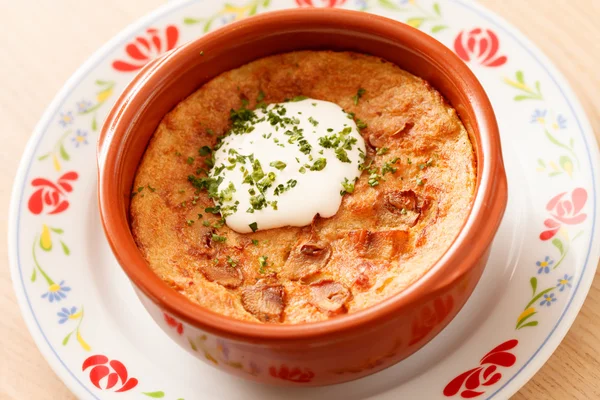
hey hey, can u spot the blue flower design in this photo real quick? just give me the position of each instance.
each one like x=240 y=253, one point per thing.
x=361 y=5
x=227 y=18
x=80 y=138
x=66 y=119
x=56 y=292
x=561 y=122
x=83 y=106
x=548 y=299
x=538 y=116
x=544 y=266
x=65 y=314
x=564 y=282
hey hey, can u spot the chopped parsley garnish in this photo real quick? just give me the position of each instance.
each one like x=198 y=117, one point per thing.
x=190 y=222
x=348 y=187
x=210 y=131
x=206 y=223
x=255 y=242
x=204 y=151
x=360 y=124
x=262 y=262
x=232 y=262
x=254 y=227
x=313 y=121
x=140 y=189
x=374 y=179
x=358 y=95
x=190 y=160
x=319 y=164
x=420 y=182
x=278 y=164
x=387 y=166
x=260 y=97
x=298 y=98
x=382 y=151
x=218 y=238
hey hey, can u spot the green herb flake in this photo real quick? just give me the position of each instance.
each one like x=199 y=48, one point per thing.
x=232 y=262
x=260 y=97
x=190 y=160
x=420 y=182
x=319 y=164
x=382 y=151
x=298 y=98
x=358 y=95
x=206 y=223
x=254 y=227
x=278 y=164
x=262 y=262
x=140 y=189
x=374 y=179
x=348 y=187
x=313 y=121
x=204 y=151
x=255 y=242
x=190 y=222
x=218 y=238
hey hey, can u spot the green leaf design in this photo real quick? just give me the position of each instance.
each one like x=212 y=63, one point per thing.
x=66 y=339
x=57 y=230
x=415 y=22
x=41 y=158
x=540 y=294
x=532 y=323
x=559 y=245
x=520 y=77
x=538 y=88
x=94 y=123
x=208 y=24
x=522 y=321
x=65 y=248
x=63 y=153
x=389 y=5
x=541 y=163
x=33 y=275
x=254 y=9
x=522 y=97
x=436 y=9
x=155 y=395
x=438 y=28
x=533 y=282
x=191 y=21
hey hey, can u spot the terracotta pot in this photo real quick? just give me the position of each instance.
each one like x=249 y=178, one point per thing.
x=339 y=349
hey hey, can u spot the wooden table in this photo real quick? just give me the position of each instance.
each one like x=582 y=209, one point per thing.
x=43 y=42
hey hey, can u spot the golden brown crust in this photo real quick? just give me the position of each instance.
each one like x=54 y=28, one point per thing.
x=382 y=239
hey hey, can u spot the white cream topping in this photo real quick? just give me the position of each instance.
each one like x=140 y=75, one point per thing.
x=286 y=163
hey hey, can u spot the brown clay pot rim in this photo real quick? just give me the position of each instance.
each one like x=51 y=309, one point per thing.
x=470 y=245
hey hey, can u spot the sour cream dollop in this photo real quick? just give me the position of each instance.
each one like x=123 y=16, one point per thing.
x=282 y=164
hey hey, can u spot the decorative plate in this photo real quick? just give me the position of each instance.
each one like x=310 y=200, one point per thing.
x=90 y=326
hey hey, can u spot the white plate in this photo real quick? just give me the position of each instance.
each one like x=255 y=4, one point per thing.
x=80 y=308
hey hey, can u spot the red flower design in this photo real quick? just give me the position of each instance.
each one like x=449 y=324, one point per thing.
x=320 y=3
x=479 y=45
x=51 y=194
x=485 y=374
x=115 y=372
x=173 y=323
x=145 y=48
x=564 y=212
x=293 y=375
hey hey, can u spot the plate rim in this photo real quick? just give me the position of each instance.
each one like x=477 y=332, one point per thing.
x=511 y=386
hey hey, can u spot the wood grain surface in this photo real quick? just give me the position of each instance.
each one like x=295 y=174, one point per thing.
x=43 y=42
